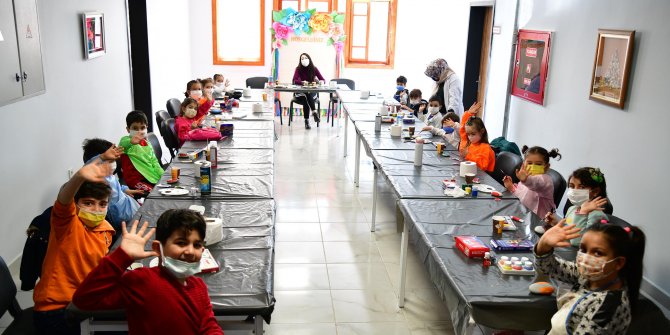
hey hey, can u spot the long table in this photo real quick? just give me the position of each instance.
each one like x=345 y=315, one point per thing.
x=431 y=220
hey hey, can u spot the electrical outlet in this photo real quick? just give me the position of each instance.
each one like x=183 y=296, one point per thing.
x=70 y=172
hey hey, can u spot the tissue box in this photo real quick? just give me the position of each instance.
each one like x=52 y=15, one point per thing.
x=471 y=246
x=408 y=120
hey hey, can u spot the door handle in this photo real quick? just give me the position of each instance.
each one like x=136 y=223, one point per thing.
x=18 y=78
x=25 y=76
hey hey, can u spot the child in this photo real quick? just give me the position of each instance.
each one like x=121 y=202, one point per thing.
x=433 y=118
x=122 y=206
x=79 y=238
x=606 y=277
x=450 y=129
x=221 y=86
x=474 y=144
x=587 y=191
x=166 y=299
x=141 y=169
x=401 y=90
x=186 y=121
x=194 y=90
x=535 y=188
x=416 y=104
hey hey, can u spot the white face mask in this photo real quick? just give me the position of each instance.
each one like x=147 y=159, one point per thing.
x=133 y=133
x=209 y=90
x=414 y=102
x=196 y=94
x=592 y=268
x=578 y=196
x=304 y=62
x=219 y=83
x=190 y=113
x=433 y=110
x=179 y=269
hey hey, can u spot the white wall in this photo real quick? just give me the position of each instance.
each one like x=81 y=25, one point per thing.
x=592 y=134
x=43 y=135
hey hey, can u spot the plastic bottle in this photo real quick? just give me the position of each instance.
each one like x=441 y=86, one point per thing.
x=418 y=152
x=378 y=123
x=205 y=179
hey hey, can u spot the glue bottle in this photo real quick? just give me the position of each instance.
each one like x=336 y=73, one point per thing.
x=213 y=148
x=487 y=259
x=378 y=123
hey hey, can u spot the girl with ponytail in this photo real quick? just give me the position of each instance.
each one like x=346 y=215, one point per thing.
x=606 y=277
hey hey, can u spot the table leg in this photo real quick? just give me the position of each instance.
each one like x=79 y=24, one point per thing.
x=357 y=168
x=374 y=200
x=346 y=131
x=403 y=265
x=258 y=325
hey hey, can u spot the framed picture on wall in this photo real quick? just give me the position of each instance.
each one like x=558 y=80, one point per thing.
x=531 y=65
x=609 y=80
x=94 y=34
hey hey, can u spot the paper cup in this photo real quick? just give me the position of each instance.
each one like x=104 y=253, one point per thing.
x=365 y=94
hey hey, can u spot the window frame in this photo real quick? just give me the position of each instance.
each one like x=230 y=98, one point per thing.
x=390 y=42
x=216 y=59
x=277 y=4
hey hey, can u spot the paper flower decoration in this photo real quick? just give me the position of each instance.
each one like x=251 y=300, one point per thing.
x=281 y=31
x=320 y=22
x=335 y=31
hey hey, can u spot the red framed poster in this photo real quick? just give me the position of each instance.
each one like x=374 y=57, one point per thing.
x=531 y=65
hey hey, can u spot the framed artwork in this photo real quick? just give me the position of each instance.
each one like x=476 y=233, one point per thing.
x=94 y=34
x=531 y=65
x=609 y=81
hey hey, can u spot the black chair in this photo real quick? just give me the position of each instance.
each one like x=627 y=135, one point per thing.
x=160 y=116
x=169 y=134
x=334 y=100
x=23 y=318
x=259 y=82
x=158 y=151
x=173 y=107
x=506 y=165
x=295 y=100
x=559 y=185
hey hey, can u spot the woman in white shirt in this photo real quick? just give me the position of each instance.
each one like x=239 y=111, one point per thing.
x=447 y=86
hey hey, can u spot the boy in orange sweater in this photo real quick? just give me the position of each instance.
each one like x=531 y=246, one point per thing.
x=79 y=238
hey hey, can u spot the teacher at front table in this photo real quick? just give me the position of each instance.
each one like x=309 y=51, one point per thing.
x=307 y=72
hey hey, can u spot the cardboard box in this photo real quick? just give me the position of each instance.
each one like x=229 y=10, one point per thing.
x=208 y=263
x=471 y=246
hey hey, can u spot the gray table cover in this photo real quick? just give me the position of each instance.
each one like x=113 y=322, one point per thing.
x=224 y=186
x=235 y=142
x=422 y=187
x=467 y=288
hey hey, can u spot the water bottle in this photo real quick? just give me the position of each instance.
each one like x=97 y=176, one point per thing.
x=418 y=152
x=378 y=123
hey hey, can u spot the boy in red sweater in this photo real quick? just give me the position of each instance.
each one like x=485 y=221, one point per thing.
x=166 y=299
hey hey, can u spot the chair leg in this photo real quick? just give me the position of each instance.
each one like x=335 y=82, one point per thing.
x=281 y=121
x=290 y=114
x=318 y=109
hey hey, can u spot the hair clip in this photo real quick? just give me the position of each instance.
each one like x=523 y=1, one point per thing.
x=596 y=175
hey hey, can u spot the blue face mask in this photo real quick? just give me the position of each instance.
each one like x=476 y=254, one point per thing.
x=400 y=87
x=179 y=268
x=448 y=130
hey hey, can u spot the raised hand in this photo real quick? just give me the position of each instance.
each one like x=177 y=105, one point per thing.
x=522 y=173
x=475 y=109
x=422 y=107
x=133 y=242
x=558 y=236
x=450 y=123
x=550 y=219
x=112 y=154
x=137 y=138
x=95 y=172
x=509 y=185
x=596 y=204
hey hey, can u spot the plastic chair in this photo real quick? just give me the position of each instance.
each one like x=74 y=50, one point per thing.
x=334 y=100
x=173 y=107
x=160 y=116
x=158 y=151
x=169 y=135
x=259 y=82
x=559 y=185
x=23 y=318
x=506 y=165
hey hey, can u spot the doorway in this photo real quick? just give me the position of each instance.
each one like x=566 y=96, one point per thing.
x=477 y=57
x=139 y=58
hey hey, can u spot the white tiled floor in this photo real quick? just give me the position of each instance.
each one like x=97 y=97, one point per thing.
x=332 y=275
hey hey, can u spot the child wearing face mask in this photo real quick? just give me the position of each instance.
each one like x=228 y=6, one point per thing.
x=416 y=104
x=606 y=277
x=204 y=97
x=474 y=145
x=221 y=86
x=450 y=129
x=122 y=205
x=535 y=188
x=587 y=191
x=401 y=92
x=433 y=118
x=79 y=238
x=166 y=299
x=140 y=167
x=186 y=121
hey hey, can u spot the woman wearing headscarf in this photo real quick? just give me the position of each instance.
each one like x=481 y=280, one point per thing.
x=447 y=86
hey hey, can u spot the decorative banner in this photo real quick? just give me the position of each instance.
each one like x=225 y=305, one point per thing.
x=289 y=22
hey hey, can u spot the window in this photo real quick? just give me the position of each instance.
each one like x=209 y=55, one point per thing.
x=227 y=22
x=321 y=6
x=370 y=25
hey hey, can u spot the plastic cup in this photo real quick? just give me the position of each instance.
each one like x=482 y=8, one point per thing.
x=265 y=96
x=411 y=130
x=469 y=177
x=175 y=173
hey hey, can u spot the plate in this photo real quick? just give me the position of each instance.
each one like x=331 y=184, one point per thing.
x=485 y=188
x=174 y=191
x=163 y=185
x=215 y=111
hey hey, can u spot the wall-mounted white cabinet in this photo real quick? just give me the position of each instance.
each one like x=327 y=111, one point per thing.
x=21 y=73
